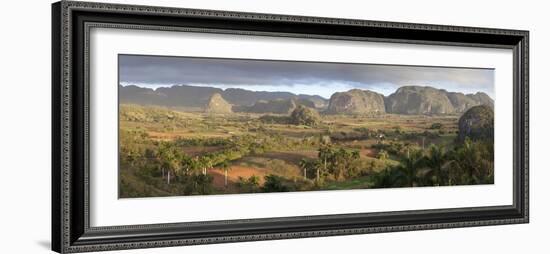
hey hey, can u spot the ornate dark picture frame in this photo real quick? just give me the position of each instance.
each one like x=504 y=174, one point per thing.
x=71 y=22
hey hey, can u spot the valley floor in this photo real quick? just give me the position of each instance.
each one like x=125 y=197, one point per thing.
x=167 y=152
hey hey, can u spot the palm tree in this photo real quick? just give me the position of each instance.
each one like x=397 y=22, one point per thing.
x=206 y=163
x=185 y=163
x=407 y=146
x=316 y=164
x=171 y=165
x=202 y=183
x=471 y=164
x=176 y=162
x=410 y=166
x=195 y=165
x=168 y=160
x=435 y=162
x=224 y=165
x=253 y=182
x=159 y=158
x=325 y=154
x=304 y=164
x=341 y=160
x=389 y=177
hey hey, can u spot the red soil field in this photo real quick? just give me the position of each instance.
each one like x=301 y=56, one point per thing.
x=234 y=173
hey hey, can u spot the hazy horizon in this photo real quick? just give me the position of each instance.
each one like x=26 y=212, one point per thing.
x=311 y=78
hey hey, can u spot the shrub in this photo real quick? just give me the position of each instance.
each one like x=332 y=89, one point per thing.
x=248 y=185
x=274 y=183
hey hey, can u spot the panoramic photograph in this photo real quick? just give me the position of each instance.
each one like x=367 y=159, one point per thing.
x=212 y=126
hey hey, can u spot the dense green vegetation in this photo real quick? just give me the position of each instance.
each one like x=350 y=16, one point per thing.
x=166 y=152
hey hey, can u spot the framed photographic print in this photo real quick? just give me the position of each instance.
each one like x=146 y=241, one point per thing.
x=181 y=126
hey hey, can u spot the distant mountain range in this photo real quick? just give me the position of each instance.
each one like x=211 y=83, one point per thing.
x=195 y=96
x=405 y=100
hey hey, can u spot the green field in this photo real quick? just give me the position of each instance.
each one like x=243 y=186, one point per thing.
x=171 y=152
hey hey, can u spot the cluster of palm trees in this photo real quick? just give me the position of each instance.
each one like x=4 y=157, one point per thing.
x=470 y=162
x=178 y=169
x=173 y=162
x=336 y=162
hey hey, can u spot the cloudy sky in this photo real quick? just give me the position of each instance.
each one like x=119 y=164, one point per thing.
x=298 y=77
